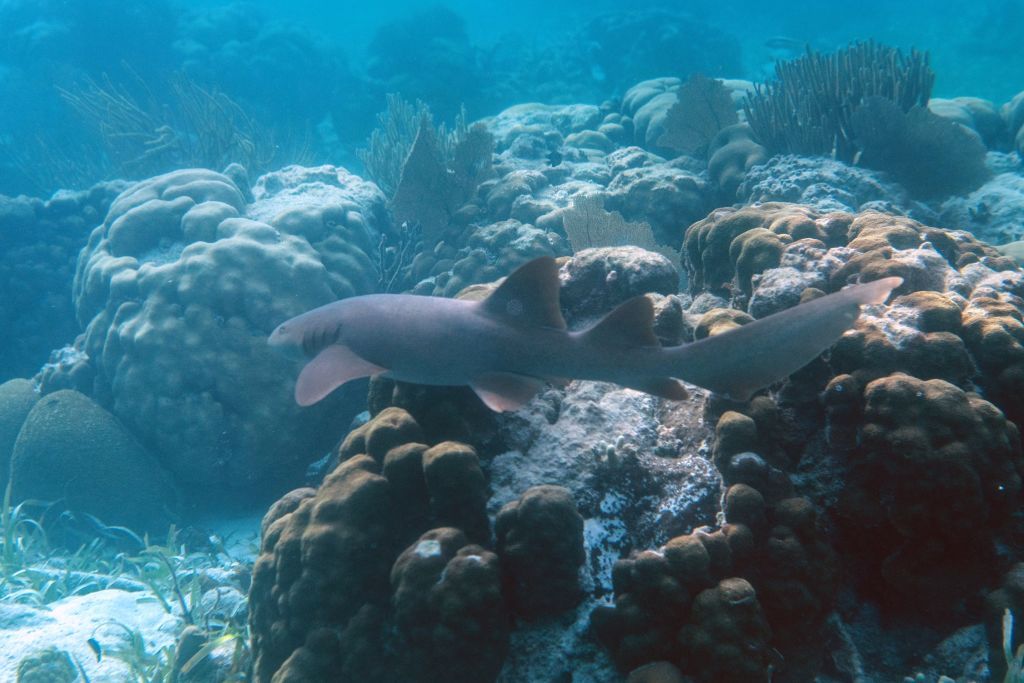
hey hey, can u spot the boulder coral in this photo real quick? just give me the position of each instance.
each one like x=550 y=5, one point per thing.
x=39 y=242
x=540 y=541
x=177 y=290
x=1013 y=113
x=933 y=466
x=381 y=558
x=732 y=153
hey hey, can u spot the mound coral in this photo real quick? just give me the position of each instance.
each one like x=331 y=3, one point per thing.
x=177 y=290
x=540 y=541
x=731 y=154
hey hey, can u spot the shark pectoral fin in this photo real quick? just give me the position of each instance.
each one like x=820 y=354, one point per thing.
x=665 y=387
x=331 y=368
x=504 y=391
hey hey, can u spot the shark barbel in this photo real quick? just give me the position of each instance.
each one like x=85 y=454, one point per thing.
x=508 y=345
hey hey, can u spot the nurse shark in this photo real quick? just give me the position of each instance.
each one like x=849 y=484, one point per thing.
x=507 y=346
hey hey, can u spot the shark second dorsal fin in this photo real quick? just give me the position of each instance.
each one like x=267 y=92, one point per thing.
x=529 y=296
x=631 y=323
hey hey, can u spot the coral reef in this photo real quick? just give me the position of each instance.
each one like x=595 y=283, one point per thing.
x=427 y=56
x=177 y=290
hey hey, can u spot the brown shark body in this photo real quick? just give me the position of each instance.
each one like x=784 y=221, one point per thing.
x=508 y=345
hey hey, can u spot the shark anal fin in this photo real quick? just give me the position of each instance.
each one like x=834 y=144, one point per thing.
x=328 y=370
x=631 y=323
x=529 y=296
x=665 y=387
x=504 y=391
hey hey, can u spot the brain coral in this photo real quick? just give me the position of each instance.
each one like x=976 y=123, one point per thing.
x=177 y=290
x=71 y=450
x=16 y=400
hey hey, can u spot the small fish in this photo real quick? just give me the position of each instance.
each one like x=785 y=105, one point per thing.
x=96 y=648
x=656 y=672
x=785 y=44
x=554 y=157
x=508 y=345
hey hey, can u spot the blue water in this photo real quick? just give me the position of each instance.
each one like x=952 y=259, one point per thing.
x=315 y=73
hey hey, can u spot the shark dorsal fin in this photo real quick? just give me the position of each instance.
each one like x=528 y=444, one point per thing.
x=529 y=296
x=631 y=323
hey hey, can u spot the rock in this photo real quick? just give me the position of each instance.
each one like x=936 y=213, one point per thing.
x=594 y=281
x=994 y=212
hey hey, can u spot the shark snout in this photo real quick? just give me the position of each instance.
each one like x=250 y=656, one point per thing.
x=279 y=337
x=283 y=339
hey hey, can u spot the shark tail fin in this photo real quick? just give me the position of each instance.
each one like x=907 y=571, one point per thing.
x=750 y=357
